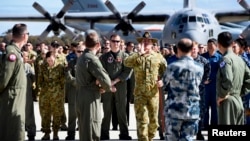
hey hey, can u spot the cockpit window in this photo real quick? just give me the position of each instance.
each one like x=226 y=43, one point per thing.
x=204 y=15
x=184 y=19
x=200 y=19
x=206 y=21
x=178 y=20
x=195 y=19
x=181 y=19
x=192 y=19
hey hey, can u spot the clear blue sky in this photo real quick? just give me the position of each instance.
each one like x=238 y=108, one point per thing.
x=24 y=7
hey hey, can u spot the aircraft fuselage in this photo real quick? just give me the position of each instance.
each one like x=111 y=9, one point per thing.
x=196 y=24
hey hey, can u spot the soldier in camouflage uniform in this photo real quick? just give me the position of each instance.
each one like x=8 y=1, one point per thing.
x=148 y=66
x=51 y=98
x=182 y=110
x=205 y=80
x=39 y=60
x=91 y=80
x=13 y=83
x=61 y=59
x=32 y=55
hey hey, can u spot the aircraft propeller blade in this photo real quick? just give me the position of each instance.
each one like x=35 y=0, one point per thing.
x=65 y=9
x=66 y=30
x=132 y=29
x=45 y=33
x=244 y=4
x=136 y=10
x=125 y=23
x=55 y=23
x=113 y=9
x=40 y=9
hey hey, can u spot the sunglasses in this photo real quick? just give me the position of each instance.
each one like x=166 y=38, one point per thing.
x=115 y=41
x=27 y=33
x=79 y=51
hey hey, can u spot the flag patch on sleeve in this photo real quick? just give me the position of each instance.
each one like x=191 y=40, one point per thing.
x=222 y=64
x=12 y=57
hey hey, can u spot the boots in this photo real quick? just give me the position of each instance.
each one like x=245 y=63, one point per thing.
x=46 y=136
x=71 y=135
x=55 y=135
x=125 y=137
x=64 y=127
x=199 y=136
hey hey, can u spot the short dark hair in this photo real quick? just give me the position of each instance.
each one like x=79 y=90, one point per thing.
x=49 y=54
x=114 y=35
x=129 y=43
x=92 y=38
x=212 y=40
x=19 y=29
x=184 y=45
x=241 y=42
x=225 y=39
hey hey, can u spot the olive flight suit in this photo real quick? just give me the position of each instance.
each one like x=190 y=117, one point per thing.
x=88 y=98
x=232 y=74
x=113 y=63
x=70 y=92
x=13 y=83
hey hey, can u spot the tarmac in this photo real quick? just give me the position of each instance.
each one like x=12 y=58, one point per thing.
x=114 y=135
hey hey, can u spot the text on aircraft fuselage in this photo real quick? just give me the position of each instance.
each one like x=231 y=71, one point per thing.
x=92 y=5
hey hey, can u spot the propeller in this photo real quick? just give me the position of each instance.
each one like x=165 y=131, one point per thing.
x=125 y=22
x=244 y=4
x=55 y=22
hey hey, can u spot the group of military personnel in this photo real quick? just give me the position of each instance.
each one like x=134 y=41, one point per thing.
x=87 y=77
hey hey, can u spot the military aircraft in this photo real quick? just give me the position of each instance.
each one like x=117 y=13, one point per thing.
x=190 y=21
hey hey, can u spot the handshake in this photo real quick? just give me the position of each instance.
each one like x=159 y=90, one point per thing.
x=112 y=88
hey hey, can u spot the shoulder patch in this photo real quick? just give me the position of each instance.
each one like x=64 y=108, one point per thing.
x=222 y=64
x=12 y=57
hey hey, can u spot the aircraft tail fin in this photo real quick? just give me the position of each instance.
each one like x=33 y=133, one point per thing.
x=87 y=6
x=189 y=4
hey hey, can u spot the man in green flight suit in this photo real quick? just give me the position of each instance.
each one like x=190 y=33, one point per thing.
x=91 y=80
x=13 y=87
x=148 y=67
x=231 y=76
x=112 y=61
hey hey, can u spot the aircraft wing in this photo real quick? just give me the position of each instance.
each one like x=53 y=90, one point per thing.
x=101 y=17
x=107 y=17
x=27 y=18
x=231 y=15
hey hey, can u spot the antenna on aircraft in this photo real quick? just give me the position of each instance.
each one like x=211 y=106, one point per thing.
x=55 y=22
x=125 y=22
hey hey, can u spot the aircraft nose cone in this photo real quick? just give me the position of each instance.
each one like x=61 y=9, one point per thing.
x=195 y=36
